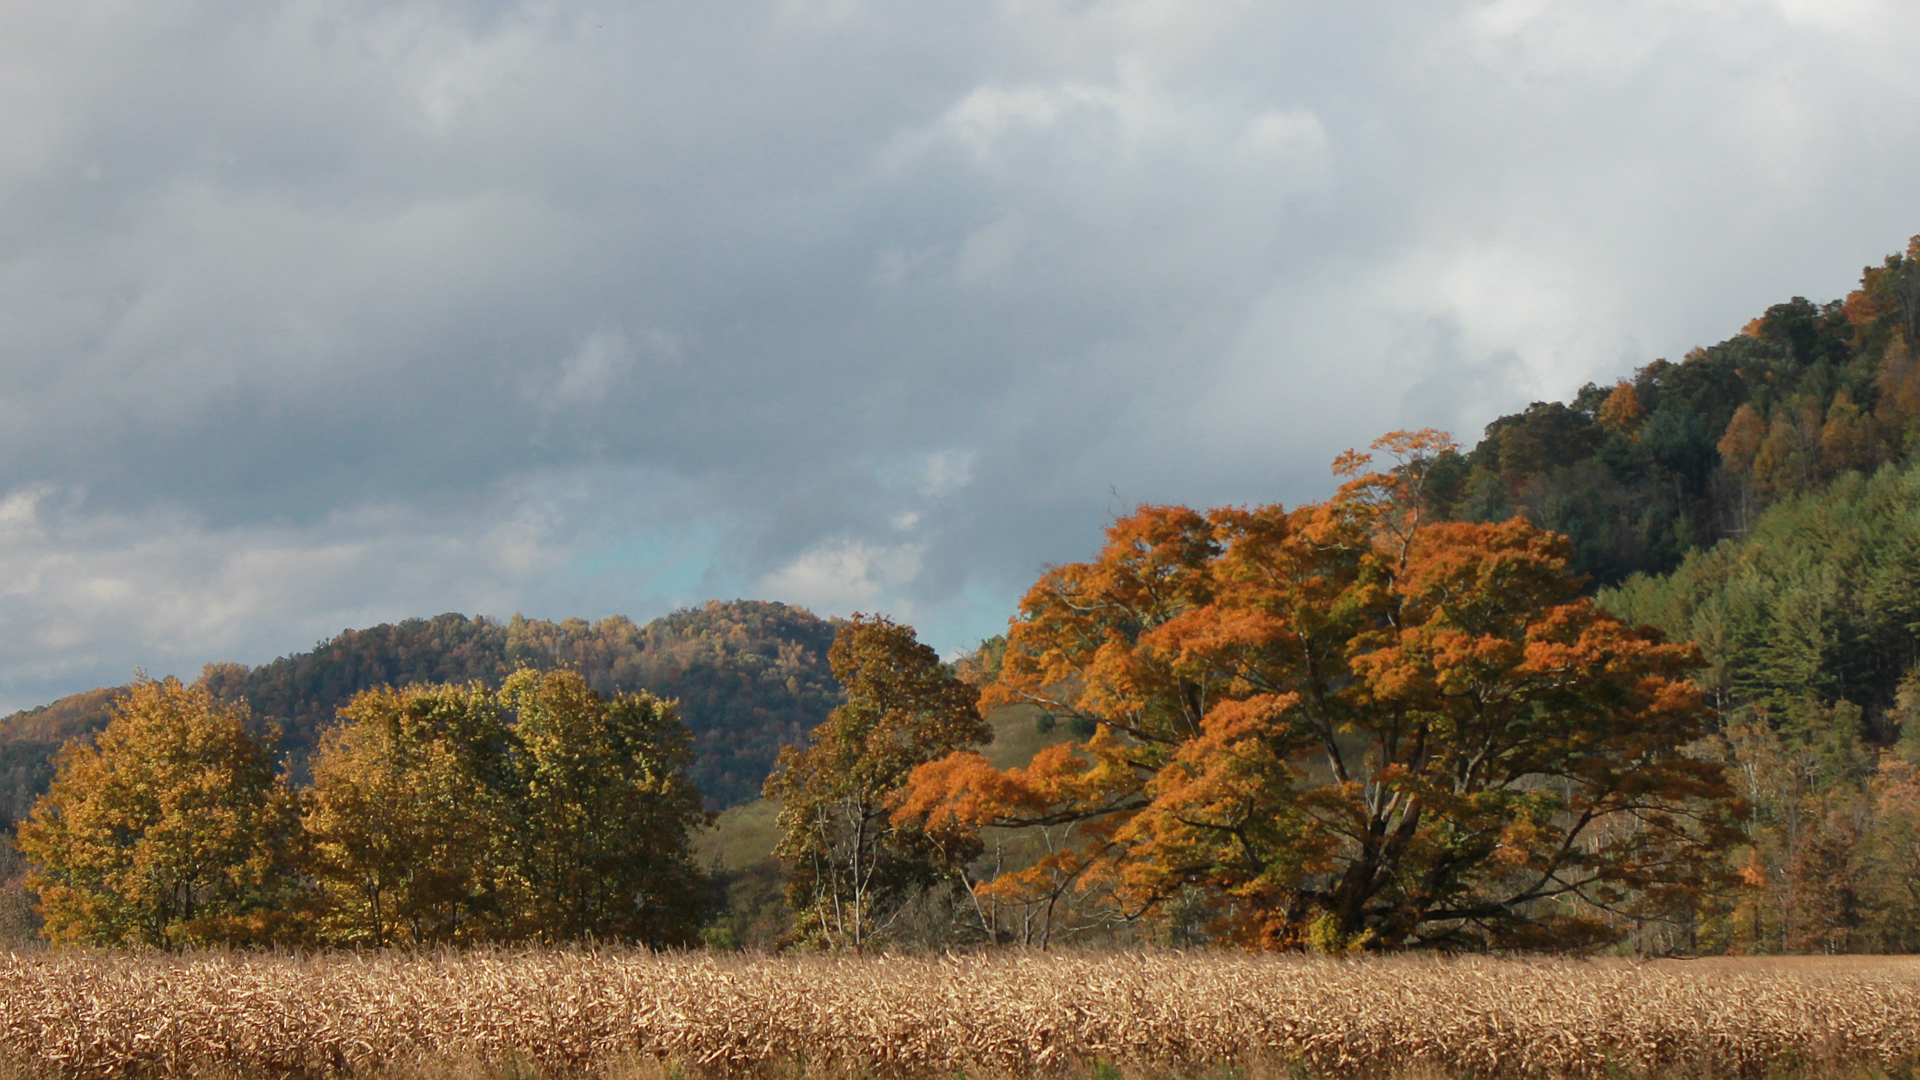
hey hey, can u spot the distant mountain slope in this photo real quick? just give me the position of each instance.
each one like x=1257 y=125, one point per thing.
x=1685 y=454
x=29 y=740
x=750 y=675
x=1817 y=605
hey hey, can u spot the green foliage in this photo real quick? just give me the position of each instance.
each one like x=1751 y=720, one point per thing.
x=1811 y=626
x=606 y=813
x=411 y=819
x=172 y=831
x=749 y=897
x=1819 y=602
x=855 y=872
x=1639 y=475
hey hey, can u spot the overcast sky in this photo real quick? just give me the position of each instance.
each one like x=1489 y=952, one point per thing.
x=321 y=313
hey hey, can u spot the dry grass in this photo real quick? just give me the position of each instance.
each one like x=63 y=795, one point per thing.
x=640 y=1016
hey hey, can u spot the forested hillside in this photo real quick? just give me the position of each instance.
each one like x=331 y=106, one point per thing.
x=1761 y=498
x=751 y=676
x=1756 y=497
x=1818 y=604
x=1771 y=477
x=1685 y=454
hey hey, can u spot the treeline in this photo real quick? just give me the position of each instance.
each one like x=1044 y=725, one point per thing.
x=1810 y=626
x=750 y=677
x=1337 y=726
x=1640 y=669
x=450 y=814
x=1686 y=454
x=1761 y=498
x=436 y=814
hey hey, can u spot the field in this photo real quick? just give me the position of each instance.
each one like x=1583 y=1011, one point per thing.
x=631 y=1014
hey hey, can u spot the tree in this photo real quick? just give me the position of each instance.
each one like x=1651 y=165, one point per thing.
x=411 y=819
x=1350 y=726
x=854 y=868
x=606 y=812
x=1844 y=439
x=172 y=831
x=1621 y=411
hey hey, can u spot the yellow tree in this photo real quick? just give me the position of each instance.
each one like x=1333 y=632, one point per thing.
x=172 y=830
x=410 y=819
x=606 y=808
x=1352 y=727
x=854 y=867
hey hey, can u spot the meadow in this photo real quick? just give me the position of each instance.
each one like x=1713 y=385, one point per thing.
x=635 y=1014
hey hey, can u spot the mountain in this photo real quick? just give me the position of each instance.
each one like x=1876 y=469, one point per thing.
x=1686 y=454
x=1813 y=616
x=751 y=676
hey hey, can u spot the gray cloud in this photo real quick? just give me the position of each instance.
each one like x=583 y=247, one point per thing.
x=313 y=315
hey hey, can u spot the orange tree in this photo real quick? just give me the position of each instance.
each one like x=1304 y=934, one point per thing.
x=1350 y=727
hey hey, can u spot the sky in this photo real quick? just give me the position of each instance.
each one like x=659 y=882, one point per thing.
x=316 y=314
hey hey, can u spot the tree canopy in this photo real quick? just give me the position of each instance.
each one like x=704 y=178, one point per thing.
x=411 y=819
x=855 y=868
x=172 y=831
x=1347 y=725
x=750 y=677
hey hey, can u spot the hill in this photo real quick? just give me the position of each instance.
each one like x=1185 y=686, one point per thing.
x=1815 y=609
x=1686 y=454
x=751 y=676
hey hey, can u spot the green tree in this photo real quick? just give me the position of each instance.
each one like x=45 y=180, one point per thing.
x=606 y=809
x=410 y=818
x=172 y=831
x=855 y=870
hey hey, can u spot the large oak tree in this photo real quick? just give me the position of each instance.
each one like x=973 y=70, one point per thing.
x=1348 y=727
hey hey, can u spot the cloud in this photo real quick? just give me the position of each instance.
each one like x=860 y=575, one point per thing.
x=840 y=576
x=313 y=314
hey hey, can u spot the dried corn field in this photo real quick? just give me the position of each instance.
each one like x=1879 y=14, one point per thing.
x=571 y=1012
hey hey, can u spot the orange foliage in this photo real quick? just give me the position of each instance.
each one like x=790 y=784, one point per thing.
x=1349 y=726
x=1622 y=411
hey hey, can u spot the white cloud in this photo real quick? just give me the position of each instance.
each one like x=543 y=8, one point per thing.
x=843 y=575
x=93 y=593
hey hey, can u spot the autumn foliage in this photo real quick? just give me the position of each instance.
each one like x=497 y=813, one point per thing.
x=1344 y=726
x=437 y=815
x=172 y=831
x=856 y=868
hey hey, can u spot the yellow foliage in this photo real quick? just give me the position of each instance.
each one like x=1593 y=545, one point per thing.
x=172 y=830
